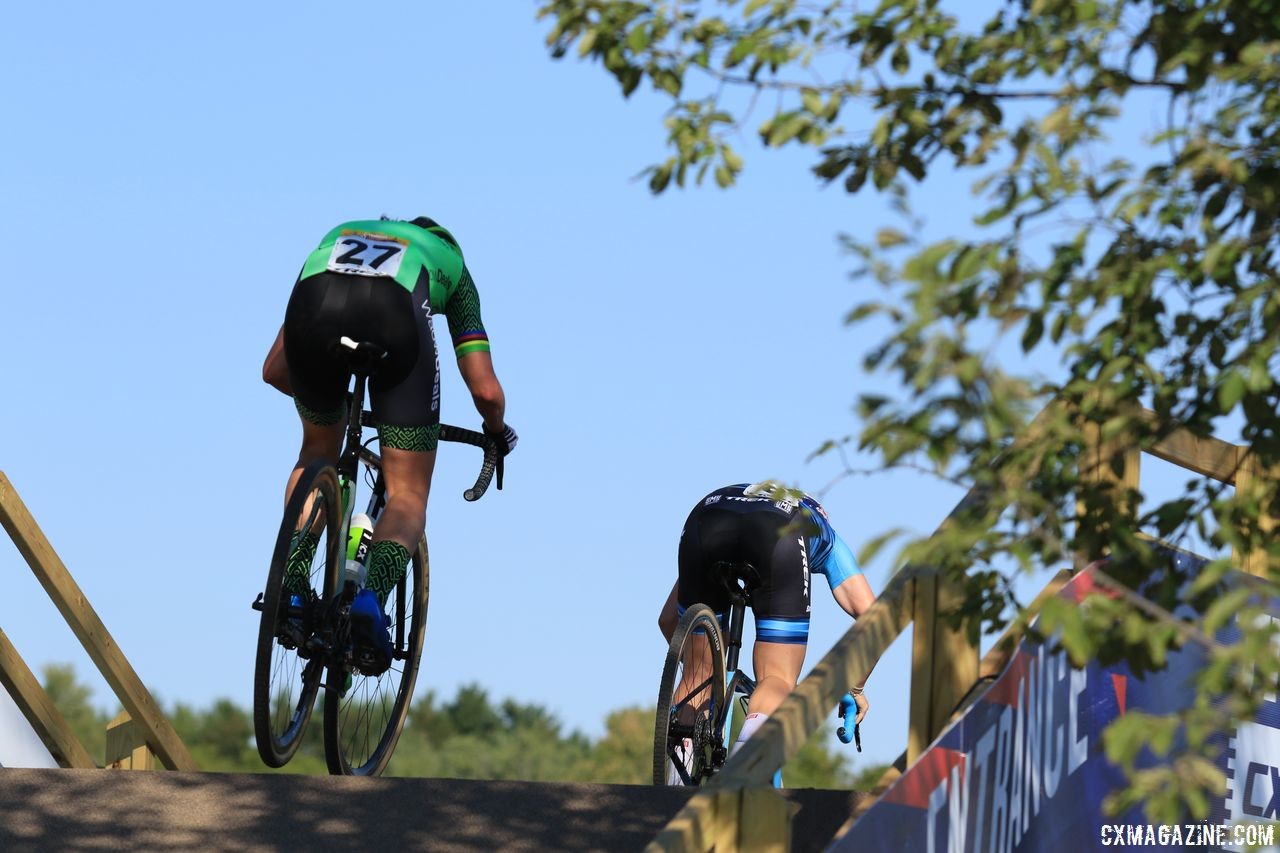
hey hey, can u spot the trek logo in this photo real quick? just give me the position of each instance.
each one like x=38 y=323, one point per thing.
x=804 y=565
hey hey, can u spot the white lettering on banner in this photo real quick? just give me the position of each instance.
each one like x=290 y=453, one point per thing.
x=1079 y=745
x=1055 y=742
x=986 y=744
x=1018 y=764
x=937 y=802
x=1000 y=776
x=958 y=814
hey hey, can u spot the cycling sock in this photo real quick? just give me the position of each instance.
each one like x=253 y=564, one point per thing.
x=297 y=571
x=684 y=754
x=749 y=726
x=388 y=560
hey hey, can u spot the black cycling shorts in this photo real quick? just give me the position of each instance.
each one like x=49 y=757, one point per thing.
x=753 y=533
x=404 y=391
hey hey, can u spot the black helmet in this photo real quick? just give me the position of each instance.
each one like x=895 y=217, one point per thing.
x=433 y=227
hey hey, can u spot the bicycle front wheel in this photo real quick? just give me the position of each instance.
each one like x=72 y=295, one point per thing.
x=301 y=581
x=363 y=715
x=686 y=747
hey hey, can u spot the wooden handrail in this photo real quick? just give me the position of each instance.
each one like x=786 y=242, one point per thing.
x=89 y=630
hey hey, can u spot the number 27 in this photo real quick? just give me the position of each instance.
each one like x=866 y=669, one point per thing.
x=352 y=257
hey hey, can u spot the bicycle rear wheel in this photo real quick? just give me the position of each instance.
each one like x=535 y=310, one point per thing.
x=363 y=718
x=288 y=674
x=691 y=698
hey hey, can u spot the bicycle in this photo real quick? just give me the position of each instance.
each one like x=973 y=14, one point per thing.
x=301 y=636
x=694 y=721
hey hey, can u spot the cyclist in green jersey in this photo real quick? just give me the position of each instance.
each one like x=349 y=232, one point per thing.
x=381 y=281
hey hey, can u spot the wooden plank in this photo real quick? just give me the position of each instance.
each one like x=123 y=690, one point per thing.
x=127 y=745
x=728 y=810
x=89 y=630
x=765 y=821
x=1205 y=455
x=34 y=702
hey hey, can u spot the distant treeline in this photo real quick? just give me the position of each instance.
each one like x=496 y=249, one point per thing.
x=468 y=737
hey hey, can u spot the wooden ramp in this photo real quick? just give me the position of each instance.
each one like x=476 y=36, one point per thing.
x=110 y=810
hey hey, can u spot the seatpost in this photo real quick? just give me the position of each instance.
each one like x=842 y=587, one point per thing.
x=737 y=614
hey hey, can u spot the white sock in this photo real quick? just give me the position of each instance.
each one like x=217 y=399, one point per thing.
x=749 y=726
x=685 y=753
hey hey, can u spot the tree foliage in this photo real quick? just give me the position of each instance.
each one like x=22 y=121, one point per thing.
x=1125 y=164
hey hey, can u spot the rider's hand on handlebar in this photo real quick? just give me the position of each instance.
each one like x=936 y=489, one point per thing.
x=863 y=705
x=506 y=439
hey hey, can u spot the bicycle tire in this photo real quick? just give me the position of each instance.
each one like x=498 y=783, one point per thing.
x=280 y=716
x=363 y=720
x=666 y=726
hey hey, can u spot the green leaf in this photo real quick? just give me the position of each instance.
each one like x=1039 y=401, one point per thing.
x=1032 y=334
x=887 y=238
x=1230 y=391
x=784 y=127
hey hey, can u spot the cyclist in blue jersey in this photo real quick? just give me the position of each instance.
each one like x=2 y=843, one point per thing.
x=382 y=281
x=785 y=536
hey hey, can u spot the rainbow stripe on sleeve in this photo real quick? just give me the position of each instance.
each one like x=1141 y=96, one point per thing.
x=470 y=342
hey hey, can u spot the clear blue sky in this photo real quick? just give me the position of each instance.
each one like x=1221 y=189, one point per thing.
x=166 y=169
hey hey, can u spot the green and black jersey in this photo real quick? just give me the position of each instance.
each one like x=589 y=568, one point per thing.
x=419 y=259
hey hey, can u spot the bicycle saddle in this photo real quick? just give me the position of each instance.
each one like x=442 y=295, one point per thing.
x=361 y=356
x=736 y=578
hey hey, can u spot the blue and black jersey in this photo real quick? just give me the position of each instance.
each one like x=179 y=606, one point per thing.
x=784 y=536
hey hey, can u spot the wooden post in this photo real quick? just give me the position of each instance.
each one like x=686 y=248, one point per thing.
x=944 y=661
x=1251 y=484
x=89 y=630
x=1095 y=469
x=127 y=745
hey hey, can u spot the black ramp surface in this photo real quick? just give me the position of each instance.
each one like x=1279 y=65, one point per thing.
x=121 y=810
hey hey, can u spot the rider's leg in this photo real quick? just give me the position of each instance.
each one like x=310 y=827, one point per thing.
x=407 y=474
x=319 y=441
x=777 y=668
x=670 y=614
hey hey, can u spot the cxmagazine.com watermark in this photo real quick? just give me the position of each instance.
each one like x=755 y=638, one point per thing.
x=1236 y=836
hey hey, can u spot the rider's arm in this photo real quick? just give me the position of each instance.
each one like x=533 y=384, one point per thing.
x=486 y=392
x=851 y=591
x=471 y=345
x=275 y=370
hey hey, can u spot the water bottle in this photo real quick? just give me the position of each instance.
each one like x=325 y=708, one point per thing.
x=358 y=541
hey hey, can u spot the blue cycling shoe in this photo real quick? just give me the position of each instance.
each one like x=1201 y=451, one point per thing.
x=370 y=634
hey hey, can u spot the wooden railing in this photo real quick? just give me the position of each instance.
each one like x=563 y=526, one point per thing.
x=739 y=804
x=146 y=728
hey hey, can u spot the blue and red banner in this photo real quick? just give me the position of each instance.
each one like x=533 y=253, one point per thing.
x=1023 y=768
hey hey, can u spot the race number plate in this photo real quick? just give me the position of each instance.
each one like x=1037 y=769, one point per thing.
x=361 y=253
